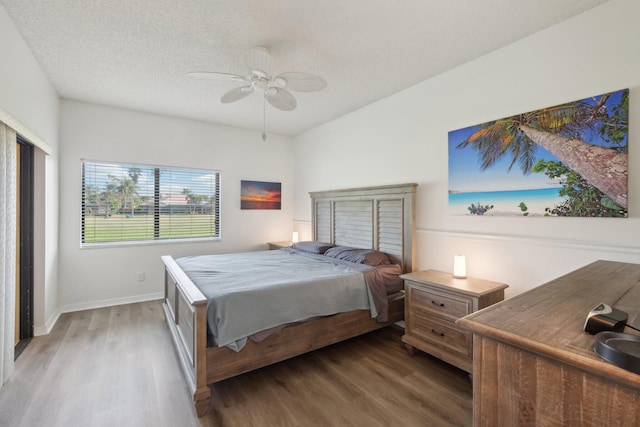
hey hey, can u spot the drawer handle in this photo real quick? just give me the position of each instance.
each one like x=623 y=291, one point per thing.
x=439 y=304
x=437 y=333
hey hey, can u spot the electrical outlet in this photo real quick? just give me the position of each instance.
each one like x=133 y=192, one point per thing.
x=140 y=276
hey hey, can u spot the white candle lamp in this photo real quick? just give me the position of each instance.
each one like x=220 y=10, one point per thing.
x=459 y=267
x=294 y=237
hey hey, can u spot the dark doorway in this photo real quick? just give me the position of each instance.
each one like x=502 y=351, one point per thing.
x=24 y=226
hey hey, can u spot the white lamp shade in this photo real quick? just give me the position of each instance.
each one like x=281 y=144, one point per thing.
x=294 y=238
x=459 y=266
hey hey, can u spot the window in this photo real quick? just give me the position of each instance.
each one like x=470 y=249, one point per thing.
x=137 y=203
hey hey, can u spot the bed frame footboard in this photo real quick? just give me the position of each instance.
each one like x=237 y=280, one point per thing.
x=185 y=311
x=295 y=340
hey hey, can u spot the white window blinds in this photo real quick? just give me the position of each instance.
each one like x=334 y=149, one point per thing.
x=139 y=203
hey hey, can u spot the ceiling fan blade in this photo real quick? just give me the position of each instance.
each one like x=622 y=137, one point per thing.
x=302 y=82
x=216 y=76
x=281 y=99
x=259 y=59
x=236 y=94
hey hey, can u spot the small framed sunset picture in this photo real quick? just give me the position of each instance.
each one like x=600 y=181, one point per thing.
x=260 y=195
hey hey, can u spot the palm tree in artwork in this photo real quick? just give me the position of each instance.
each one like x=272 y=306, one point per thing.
x=558 y=129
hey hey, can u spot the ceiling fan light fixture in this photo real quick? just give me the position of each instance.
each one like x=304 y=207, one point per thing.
x=275 y=88
x=259 y=83
x=260 y=73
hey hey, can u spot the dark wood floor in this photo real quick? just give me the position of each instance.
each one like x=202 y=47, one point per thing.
x=116 y=367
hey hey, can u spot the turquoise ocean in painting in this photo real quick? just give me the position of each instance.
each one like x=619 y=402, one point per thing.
x=506 y=202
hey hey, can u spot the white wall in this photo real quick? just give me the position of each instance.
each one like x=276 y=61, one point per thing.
x=104 y=276
x=403 y=138
x=27 y=95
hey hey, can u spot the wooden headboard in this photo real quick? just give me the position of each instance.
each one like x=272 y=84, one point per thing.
x=381 y=218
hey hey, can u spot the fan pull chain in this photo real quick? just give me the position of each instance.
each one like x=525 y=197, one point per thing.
x=264 y=118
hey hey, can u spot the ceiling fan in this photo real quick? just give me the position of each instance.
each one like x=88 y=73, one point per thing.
x=276 y=88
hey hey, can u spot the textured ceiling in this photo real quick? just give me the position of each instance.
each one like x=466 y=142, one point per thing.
x=136 y=53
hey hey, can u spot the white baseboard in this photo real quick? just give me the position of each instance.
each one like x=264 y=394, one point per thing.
x=49 y=324
x=43 y=330
x=111 y=302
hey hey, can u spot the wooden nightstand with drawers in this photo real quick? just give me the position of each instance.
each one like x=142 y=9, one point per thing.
x=278 y=245
x=434 y=300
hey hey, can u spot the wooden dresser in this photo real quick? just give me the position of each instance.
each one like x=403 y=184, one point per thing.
x=534 y=365
x=433 y=302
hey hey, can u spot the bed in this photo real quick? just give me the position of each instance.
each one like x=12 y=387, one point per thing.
x=379 y=218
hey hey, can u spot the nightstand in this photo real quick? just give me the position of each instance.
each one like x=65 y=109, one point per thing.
x=278 y=245
x=434 y=300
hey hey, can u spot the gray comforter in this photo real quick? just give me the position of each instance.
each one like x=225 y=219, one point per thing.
x=254 y=291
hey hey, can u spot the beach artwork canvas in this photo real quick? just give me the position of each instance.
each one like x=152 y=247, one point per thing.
x=567 y=160
x=260 y=195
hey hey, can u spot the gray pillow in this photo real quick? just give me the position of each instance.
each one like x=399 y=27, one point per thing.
x=357 y=255
x=312 y=247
